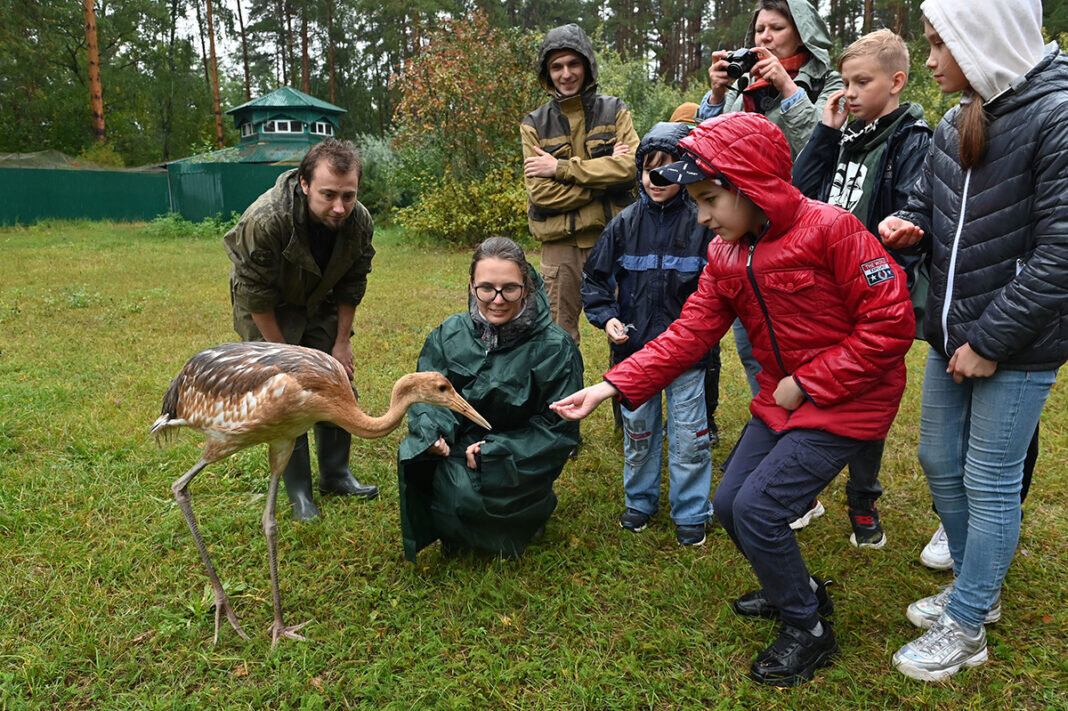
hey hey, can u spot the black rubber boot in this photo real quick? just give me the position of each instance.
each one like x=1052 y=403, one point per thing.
x=332 y=448
x=297 y=478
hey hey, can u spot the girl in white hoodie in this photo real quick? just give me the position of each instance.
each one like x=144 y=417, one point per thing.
x=991 y=200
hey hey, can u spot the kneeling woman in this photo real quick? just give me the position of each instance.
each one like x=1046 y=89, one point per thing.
x=459 y=483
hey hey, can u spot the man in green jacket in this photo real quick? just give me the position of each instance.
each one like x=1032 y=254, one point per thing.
x=301 y=254
x=577 y=173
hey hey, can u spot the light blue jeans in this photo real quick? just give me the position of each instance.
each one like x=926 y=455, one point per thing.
x=745 y=354
x=689 y=459
x=973 y=440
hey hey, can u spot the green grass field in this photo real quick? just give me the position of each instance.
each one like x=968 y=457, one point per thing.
x=104 y=602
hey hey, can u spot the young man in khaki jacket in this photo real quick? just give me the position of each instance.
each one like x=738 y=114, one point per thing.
x=577 y=170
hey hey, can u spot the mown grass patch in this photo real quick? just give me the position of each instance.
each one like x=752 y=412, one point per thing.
x=105 y=603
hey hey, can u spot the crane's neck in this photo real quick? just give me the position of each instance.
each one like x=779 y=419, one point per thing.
x=359 y=423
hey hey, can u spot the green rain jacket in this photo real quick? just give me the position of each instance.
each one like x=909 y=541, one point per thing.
x=511 y=383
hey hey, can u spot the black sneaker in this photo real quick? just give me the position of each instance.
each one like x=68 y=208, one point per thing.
x=867 y=531
x=794 y=656
x=634 y=520
x=690 y=535
x=756 y=603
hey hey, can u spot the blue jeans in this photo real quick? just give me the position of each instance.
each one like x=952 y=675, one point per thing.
x=745 y=354
x=973 y=440
x=769 y=480
x=689 y=459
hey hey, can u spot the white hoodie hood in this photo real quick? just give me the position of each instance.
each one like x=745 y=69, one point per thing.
x=993 y=41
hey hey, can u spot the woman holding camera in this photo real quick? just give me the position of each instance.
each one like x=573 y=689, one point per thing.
x=785 y=74
x=491 y=489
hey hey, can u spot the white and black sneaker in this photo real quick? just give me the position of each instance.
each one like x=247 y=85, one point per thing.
x=634 y=520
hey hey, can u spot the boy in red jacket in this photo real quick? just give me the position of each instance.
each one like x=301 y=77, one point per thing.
x=830 y=319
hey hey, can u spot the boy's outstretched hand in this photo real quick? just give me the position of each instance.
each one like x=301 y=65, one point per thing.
x=577 y=405
x=897 y=233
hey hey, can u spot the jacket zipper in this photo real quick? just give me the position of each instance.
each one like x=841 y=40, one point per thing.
x=763 y=306
x=951 y=275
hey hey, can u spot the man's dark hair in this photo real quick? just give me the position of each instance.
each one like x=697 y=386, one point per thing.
x=341 y=155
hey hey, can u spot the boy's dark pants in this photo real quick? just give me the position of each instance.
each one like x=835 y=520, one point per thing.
x=863 y=487
x=769 y=480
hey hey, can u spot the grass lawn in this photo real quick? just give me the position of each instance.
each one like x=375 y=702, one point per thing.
x=104 y=602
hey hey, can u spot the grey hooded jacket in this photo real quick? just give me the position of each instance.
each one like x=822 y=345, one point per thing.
x=815 y=78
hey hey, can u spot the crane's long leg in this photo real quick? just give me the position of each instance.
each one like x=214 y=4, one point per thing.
x=279 y=456
x=185 y=502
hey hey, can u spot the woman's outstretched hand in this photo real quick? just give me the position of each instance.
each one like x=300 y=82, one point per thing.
x=578 y=405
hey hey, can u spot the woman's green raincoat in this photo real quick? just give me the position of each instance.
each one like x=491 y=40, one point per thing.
x=510 y=375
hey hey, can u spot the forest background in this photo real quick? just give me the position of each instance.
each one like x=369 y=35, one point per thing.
x=434 y=89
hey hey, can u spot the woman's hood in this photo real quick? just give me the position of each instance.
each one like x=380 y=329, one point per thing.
x=993 y=41
x=810 y=27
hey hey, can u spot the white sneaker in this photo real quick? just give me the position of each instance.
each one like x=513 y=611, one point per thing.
x=935 y=554
x=925 y=612
x=816 y=511
x=941 y=651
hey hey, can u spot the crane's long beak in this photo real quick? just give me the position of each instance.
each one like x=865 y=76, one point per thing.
x=460 y=405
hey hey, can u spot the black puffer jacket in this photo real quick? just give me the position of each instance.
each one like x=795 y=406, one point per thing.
x=648 y=259
x=999 y=273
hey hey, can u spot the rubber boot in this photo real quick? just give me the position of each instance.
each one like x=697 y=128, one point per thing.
x=332 y=447
x=297 y=478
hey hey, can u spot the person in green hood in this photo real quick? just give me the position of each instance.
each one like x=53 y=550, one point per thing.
x=490 y=489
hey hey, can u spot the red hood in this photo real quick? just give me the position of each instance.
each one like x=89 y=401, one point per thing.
x=752 y=153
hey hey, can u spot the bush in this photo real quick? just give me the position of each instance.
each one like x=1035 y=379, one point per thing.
x=102 y=153
x=463 y=95
x=465 y=212
x=648 y=99
x=173 y=226
x=379 y=188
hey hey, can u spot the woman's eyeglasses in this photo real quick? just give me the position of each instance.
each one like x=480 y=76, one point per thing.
x=509 y=292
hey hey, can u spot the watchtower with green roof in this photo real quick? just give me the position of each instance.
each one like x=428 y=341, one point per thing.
x=286 y=116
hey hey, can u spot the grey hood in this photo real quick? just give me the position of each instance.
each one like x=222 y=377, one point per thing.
x=566 y=37
x=993 y=41
x=812 y=30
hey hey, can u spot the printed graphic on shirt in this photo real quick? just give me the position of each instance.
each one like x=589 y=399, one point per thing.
x=877 y=271
x=848 y=185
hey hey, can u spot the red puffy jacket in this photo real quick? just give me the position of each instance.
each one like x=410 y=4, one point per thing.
x=819 y=297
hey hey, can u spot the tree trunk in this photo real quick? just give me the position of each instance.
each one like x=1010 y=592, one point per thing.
x=203 y=49
x=244 y=53
x=867 y=16
x=305 y=78
x=214 y=77
x=330 y=47
x=96 y=90
x=167 y=123
x=292 y=60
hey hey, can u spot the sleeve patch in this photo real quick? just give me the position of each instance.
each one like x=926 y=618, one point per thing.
x=262 y=257
x=877 y=271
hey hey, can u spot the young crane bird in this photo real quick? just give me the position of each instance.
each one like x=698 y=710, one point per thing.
x=241 y=394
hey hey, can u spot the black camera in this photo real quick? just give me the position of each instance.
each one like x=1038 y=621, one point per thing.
x=740 y=61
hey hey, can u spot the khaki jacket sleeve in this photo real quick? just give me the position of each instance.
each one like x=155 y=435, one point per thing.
x=255 y=246
x=547 y=192
x=606 y=172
